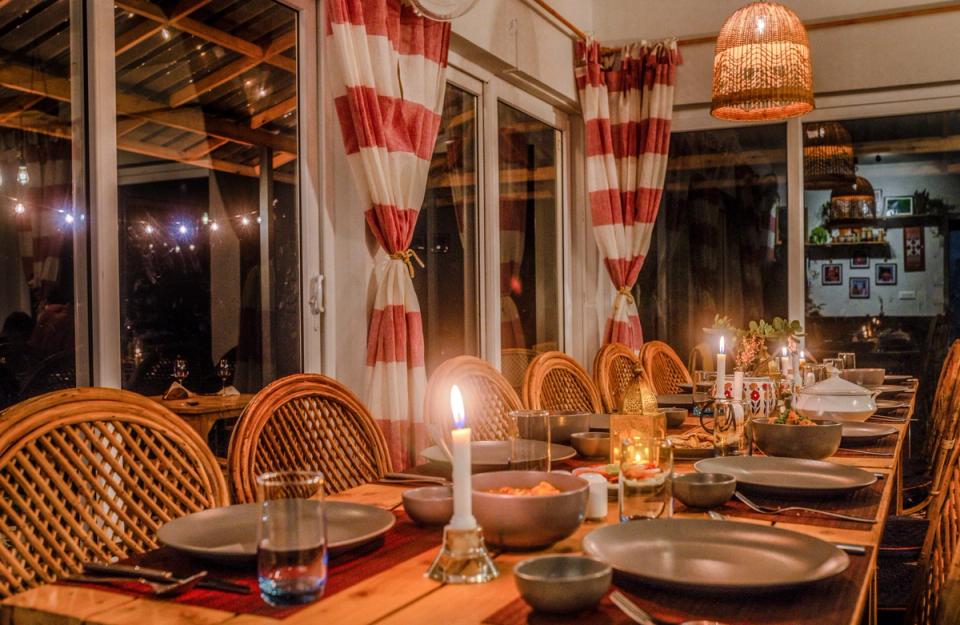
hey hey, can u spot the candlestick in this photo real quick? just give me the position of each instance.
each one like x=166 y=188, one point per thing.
x=462 y=489
x=797 y=380
x=721 y=371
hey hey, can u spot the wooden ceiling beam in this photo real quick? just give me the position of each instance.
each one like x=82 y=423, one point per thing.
x=144 y=30
x=23 y=103
x=276 y=111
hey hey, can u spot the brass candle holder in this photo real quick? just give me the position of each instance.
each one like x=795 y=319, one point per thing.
x=463 y=558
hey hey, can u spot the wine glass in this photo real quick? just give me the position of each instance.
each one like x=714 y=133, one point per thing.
x=224 y=372
x=180 y=369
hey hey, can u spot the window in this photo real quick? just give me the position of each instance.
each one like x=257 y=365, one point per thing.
x=720 y=241
x=209 y=202
x=529 y=161
x=445 y=236
x=40 y=204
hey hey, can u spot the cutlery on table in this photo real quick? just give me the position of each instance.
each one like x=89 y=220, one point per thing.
x=867 y=452
x=639 y=615
x=854 y=550
x=157 y=589
x=780 y=510
x=716 y=516
x=130 y=571
x=412 y=478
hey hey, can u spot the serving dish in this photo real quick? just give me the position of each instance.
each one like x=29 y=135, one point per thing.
x=836 y=399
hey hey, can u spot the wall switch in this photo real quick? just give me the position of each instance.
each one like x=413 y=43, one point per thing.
x=908 y=295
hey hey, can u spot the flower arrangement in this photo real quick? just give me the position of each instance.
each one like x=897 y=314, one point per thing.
x=751 y=351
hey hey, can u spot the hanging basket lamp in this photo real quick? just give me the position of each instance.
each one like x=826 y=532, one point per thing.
x=854 y=201
x=761 y=67
x=827 y=156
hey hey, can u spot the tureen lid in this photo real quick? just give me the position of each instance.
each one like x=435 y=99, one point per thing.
x=835 y=385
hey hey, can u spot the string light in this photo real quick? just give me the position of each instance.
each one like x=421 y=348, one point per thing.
x=23 y=176
x=214 y=226
x=68 y=218
x=165 y=34
x=148 y=229
x=245 y=220
x=182 y=229
x=19 y=208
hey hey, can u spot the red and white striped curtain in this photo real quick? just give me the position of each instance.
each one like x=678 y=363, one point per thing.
x=627 y=101
x=389 y=66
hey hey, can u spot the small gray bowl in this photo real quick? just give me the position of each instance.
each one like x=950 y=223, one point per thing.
x=675 y=416
x=562 y=584
x=430 y=505
x=704 y=490
x=591 y=444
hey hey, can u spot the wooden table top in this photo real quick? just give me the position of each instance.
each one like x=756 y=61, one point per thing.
x=197 y=405
x=401 y=594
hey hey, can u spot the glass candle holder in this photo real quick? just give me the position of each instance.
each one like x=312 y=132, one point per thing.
x=729 y=428
x=646 y=471
x=623 y=426
x=529 y=440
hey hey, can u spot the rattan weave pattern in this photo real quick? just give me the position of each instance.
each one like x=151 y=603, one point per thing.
x=555 y=381
x=306 y=422
x=90 y=474
x=514 y=362
x=827 y=156
x=614 y=368
x=487 y=397
x=665 y=370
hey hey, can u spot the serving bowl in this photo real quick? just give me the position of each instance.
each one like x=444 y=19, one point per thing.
x=813 y=442
x=528 y=521
x=704 y=490
x=565 y=423
x=675 y=417
x=562 y=584
x=430 y=505
x=836 y=399
x=591 y=444
x=864 y=377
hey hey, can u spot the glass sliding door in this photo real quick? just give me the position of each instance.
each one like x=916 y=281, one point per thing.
x=40 y=199
x=209 y=208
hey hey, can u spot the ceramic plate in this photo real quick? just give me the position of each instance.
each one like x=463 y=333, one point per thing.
x=495 y=455
x=792 y=476
x=679 y=400
x=229 y=534
x=886 y=405
x=891 y=389
x=863 y=433
x=711 y=555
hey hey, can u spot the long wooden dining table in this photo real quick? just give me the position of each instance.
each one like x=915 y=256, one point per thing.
x=387 y=585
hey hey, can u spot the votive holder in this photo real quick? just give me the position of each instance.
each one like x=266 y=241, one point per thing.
x=463 y=558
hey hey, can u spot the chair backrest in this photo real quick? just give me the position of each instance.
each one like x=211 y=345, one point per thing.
x=487 y=397
x=944 y=396
x=90 y=474
x=306 y=422
x=665 y=370
x=555 y=381
x=701 y=358
x=514 y=362
x=614 y=367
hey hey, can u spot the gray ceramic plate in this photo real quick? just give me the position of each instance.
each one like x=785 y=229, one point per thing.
x=862 y=433
x=229 y=534
x=495 y=455
x=788 y=475
x=886 y=405
x=704 y=554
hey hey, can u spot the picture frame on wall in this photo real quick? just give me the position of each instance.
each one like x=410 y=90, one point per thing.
x=859 y=288
x=886 y=274
x=859 y=261
x=898 y=205
x=831 y=274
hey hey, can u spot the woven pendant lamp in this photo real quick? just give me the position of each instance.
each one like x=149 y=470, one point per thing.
x=761 y=67
x=827 y=156
x=854 y=201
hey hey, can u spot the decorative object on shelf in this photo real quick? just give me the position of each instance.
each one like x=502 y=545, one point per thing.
x=860 y=261
x=921 y=199
x=819 y=235
x=827 y=156
x=853 y=201
x=442 y=10
x=898 y=205
x=761 y=65
x=859 y=288
x=914 y=250
x=831 y=274
x=886 y=274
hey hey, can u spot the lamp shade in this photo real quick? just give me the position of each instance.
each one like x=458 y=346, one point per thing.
x=854 y=201
x=827 y=156
x=761 y=67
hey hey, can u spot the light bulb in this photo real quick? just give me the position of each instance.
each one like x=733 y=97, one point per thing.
x=165 y=34
x=68 y=218
x=19 y=208
x=258 y=220
x=23 y=176
x=148 y=229
x=761 y=24
x=182 y=229
x=214 y=226
x=245 y=220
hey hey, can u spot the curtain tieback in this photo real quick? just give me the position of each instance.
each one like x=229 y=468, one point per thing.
x=407 y=257
x=624 y=293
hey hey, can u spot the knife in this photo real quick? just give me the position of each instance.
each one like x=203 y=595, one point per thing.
x=159 y=575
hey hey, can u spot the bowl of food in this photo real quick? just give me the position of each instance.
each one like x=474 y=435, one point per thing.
x=704 y=490
x=528 y=509
x=864 y=377
x=562 y=584
x=836 y=399
x=430 y=505
x=591 y=444
x=792 y=435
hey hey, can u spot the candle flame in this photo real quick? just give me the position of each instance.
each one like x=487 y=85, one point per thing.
x=456 y=406
x=721 y=345
x=802 y=354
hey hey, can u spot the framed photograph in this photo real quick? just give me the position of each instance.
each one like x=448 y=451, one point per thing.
x=859 y=288
x=897 y=205
x=860 y=261
x=832 y=273
x=886 y=274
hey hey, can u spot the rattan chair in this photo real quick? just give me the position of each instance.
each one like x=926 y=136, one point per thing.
x=555 y=381
x=665 y=370
x=306 y=422
x=487 y=397
x=90 y=474
x=614 y=367
x=514 y=362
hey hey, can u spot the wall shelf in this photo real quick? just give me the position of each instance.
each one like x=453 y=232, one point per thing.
x=886 y=222
x=828 y=251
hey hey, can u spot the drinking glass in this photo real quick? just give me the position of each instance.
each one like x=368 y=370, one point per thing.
x=180 y=369
x=632 y=425
x=729 y=428
x=291 y=537
x=529 y=440
x=832 y=363
x=819 y=372
x=646 y=471
x=704 y=381
x=224 y=372
x=848 y=360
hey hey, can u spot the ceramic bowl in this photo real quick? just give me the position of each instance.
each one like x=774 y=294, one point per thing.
x=528 y=521
x=836 y=399
x=430 y=505
x=812 y=442
x=704 y=490
x=562 y=584
x=864 y=377
x=675 y=417
x=591 y=444
x=565 y=423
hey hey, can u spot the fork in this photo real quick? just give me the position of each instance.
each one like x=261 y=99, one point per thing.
x=777 y=510
x=630 y=608
x=867 y=452
x=157 y=589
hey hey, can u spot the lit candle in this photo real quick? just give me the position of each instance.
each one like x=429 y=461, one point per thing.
x=721 y=370
x=462 y=488
x=784 y=363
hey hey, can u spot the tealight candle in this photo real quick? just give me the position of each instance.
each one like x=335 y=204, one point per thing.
x=463 y=518
x=784 y=363
x=721 y=370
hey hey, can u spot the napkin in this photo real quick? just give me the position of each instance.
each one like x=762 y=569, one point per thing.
x=177 y=391
x=228 y=391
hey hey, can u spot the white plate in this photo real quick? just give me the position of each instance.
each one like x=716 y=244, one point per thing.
x=495 y=455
